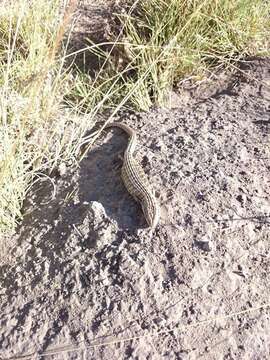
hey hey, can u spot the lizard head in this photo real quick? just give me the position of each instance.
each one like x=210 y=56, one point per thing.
x=151 y=211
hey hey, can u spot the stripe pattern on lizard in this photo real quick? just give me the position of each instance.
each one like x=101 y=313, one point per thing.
x=135 y=179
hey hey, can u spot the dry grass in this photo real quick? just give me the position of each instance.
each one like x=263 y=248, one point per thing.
x=33 y=82
x=189 y=38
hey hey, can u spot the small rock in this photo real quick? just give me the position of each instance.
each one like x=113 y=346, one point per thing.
x=98 y=212
x=203 y=245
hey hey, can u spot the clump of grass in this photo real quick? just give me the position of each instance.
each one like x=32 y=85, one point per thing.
x=166 y=41
x=33 y=135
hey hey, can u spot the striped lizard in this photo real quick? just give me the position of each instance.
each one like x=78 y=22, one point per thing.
x=135 y=179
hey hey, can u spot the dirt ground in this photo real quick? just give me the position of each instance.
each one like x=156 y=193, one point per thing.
x=84 y=278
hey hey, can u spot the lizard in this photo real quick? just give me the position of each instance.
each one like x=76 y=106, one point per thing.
x=135 y=179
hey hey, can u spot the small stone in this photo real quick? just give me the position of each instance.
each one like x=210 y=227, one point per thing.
x=203 y=245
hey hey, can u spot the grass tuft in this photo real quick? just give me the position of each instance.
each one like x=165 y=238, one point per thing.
x=32 y=86
x=166 y=41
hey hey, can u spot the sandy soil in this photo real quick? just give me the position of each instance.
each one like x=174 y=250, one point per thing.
x=83 y=269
